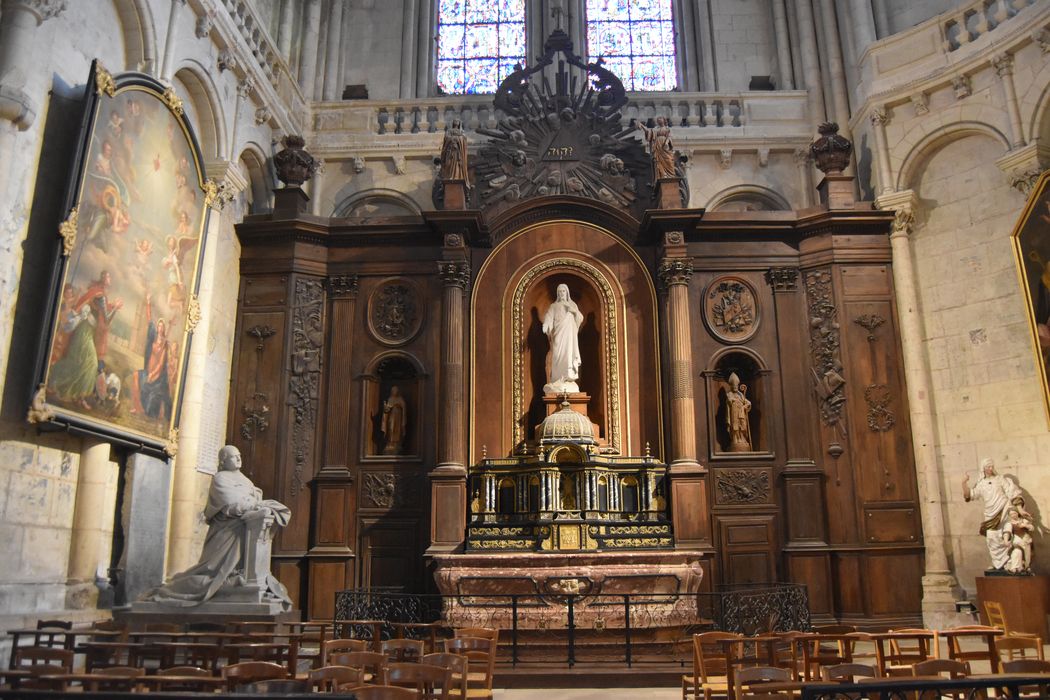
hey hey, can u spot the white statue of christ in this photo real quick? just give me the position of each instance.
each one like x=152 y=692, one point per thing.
x=561 y=324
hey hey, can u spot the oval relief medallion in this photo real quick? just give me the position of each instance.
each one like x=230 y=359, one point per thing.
x=394 y=312
x=731 y=309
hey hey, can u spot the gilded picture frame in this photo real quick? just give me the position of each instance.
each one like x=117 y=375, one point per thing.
x=127 y=269
x=1031 y=242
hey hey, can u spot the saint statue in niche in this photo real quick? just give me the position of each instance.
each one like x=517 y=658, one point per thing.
x=561 y=325
x=454 y=153
x=568 y=492
x=393 y=423
x=661 y=150
x=738 y=408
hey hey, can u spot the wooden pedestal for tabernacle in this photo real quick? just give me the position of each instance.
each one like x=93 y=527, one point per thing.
x=1025 y=601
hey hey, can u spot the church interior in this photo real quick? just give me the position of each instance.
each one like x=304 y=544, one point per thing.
x=540 y=300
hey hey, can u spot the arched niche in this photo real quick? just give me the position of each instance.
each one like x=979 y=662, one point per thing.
x=376 y=204
x=204 y=108
x=731 y=412
x=748 y=198
x=253 y=166
x=392 y=400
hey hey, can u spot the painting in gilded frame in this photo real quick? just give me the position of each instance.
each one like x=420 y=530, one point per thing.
x=125 y=298
x=1031 y=239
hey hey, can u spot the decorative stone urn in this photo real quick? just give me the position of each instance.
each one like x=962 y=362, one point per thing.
x=294 y=165
x=831 y=151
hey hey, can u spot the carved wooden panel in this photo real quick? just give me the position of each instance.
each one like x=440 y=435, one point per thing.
x=389 y=490
x=742 y=486
x=805 y=521
x=886 y=522
x=746 y=545
x=389 y=554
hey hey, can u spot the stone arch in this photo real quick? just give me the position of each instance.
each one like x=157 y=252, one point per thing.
x=253 y=161
x=206 y=104
x=377 y=202
x=748 y=198
x=938 y=139
x=140 y=41
x=1039 y=126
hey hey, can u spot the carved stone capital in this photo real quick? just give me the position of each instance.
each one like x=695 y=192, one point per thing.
x=903 y=203
x=1023 y=180
x=1003 y=64
x=879 y=116
x=674 y=271
x=42 y=10
x=455 y=273
x=342 y=286
x=782 y=279
x=962 y=86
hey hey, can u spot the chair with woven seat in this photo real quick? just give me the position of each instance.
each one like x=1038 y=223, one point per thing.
x=337 y=646
x=432 y=682
x=993 y=610
x=898 y=650
x=709 y=675
x=42 y=661
x=247 y=672
x=50 y=633
x=1023 y=647
x=1026 y=666
x=481 y=660
x=383 y=692
x=372 y=663
x=280 y=686
x=458 y=665
x=984 y=651
x=848 y=673
x=747 y=682
x=185 y=682
x=831 y=649
x=115 y=679
x=402 y=650
x=331 y=679
x=936 y=667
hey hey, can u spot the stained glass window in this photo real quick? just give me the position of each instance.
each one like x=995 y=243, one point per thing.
x=636 y=39
x=478 y=43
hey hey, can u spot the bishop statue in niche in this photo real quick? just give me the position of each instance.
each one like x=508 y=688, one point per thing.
x=738 y=412
x=561 y=325
x=393 y=422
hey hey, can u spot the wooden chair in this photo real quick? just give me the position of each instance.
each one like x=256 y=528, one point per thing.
x=248 y=672
x=747 y=682
x=196 y=654
x=993 y=610
x=115 y=679
x=1024 y=647
x=314 y=635
x=482 y=664
x=898 y=650
x=709 y=667
x=335 y=646
x=458 y=665
x=59 y=659
x=819 y=650
x=1026 y=666
x=937 y=667
x=330 y=679
x=206 y=627
x=274 y=652
x=167 y=627
x=402 y=650
x=985 y=652
x=489 y=633
x=848 y=673
x=383 y=692
x=371 y=662
x=49 y=633
x=432 y=682
x=185 y=682
x=280 y=686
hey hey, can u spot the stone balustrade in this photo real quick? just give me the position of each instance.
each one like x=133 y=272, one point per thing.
x=969 y=23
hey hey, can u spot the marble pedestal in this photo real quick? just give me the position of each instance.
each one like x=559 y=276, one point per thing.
x=478 y=589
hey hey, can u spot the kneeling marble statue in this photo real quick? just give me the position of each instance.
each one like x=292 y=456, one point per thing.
x=234 y=566
x=1007 y=526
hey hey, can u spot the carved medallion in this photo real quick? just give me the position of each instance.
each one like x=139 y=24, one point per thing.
x=731 y=309
x=878 y=398
x=736 y=486
x=387 y=490
x=394 y=313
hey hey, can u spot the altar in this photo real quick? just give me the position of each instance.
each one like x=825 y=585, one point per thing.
x=563 y=381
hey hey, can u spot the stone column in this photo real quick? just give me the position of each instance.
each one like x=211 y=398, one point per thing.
x=90 y=518
x=833 y=48
x=810 y=60
x=1004 y=68
x=332 y=89
x=688 y=478
x=862 y=24
x=805 y=175
x=783 y=37
x=245 y=88
x=705 y=47
x=449 y=478
x=167 y=62
x=882 y=19
x=938 y=600
x=409 y=43
x=882 y=151
x=308 y=47
x=425 y=48
x=284 y=31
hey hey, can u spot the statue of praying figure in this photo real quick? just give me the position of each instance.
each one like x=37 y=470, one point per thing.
x=561 y=325
x=236 y=554
x=738 y=408
x=393 y=424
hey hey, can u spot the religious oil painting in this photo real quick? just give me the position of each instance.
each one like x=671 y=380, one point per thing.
x=1032 y=246
x=125 y=300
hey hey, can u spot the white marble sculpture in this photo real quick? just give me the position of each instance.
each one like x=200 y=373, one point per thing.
x=561 y=324
x=234 y=567
x=1006 y=523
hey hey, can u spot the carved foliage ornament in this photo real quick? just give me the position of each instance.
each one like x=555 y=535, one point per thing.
x=782 y=279
x=870 y=323
x=68 y=230
x=394 y=313
x=878 y=398
x=340 y=286
x=454 y=274
x=731 y=309
x=824 y=347
x=307 y=337
x=561 y=133
x=674 y=271
x=387 y=490
x=736 y=486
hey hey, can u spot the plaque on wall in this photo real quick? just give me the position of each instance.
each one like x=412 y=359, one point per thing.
x=395 y=313
x=731 y=309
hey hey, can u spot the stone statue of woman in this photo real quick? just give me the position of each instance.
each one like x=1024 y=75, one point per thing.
x=561 y=324
x=454 y=153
